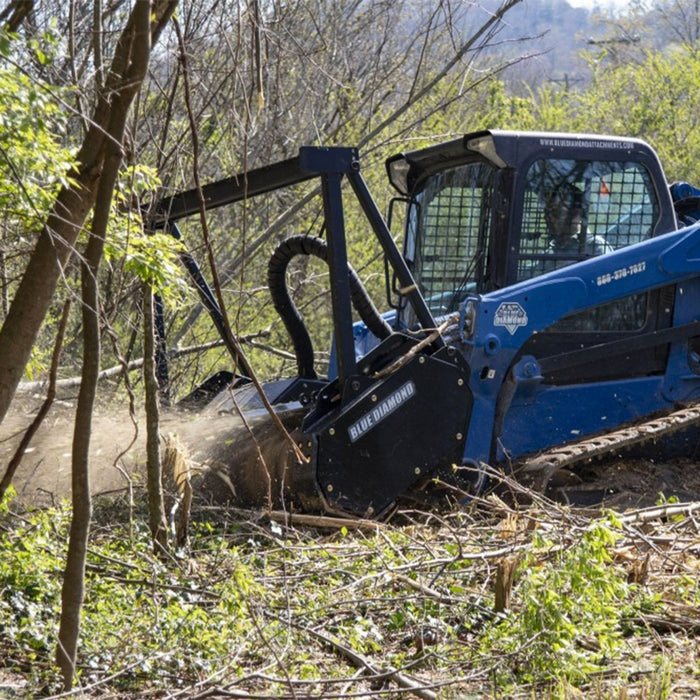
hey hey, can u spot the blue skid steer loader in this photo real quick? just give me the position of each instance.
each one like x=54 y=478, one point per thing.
x=545 y=308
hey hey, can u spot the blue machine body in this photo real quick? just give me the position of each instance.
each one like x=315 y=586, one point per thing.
x=515 y=410
x=562 y=271
x=540 y=416
x=495 y=326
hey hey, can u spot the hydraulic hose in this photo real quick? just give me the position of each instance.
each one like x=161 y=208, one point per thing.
x=277 y=282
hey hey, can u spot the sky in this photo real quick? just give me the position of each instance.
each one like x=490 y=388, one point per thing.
x=590 y=4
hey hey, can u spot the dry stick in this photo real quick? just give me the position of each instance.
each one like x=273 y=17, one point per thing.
x=656 y=512
x=345 y=690
x=258 y=449
x=123 y=367
x=434 y=335
x=240 y=356
x=425 y=590
x=322 y=521
x=636 y=535
x=43 y=411
x=357 y=659
x=287 y=518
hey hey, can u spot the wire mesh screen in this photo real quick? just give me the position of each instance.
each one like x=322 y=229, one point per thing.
x=576 y=209
x=448 y=236
x=573 y=210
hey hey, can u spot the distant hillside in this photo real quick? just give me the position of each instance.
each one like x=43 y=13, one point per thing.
x=553 y=34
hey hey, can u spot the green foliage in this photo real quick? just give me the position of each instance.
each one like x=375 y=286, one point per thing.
x=175 y=624
x=266 y=609
x=149 y=257
x=567 y=621
x=29 y=587
x=649 y=100
x=34 y=163
x=142 y=619
x=153 y=259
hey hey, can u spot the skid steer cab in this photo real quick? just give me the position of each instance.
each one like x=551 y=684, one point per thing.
x=548 y=289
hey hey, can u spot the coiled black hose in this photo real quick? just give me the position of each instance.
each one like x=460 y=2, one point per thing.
x=277 y=282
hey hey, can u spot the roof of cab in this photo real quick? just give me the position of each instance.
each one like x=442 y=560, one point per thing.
x=506 y=149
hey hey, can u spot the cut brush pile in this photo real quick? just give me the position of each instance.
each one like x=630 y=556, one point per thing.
x=494 y=599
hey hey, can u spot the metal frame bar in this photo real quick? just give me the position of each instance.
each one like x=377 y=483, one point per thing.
x=330 y=165
x=381 y=231
x=206 y=296
x=339 y=278
x=230 y=190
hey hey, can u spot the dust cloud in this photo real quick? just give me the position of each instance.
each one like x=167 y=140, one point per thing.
x=118 y=447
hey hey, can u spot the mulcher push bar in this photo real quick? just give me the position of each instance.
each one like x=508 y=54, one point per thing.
x=232 y=189
x=330 y=165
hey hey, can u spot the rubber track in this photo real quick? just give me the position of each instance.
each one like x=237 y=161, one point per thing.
x=539 y=469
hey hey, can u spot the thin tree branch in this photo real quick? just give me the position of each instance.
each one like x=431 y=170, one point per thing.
x=240 y=355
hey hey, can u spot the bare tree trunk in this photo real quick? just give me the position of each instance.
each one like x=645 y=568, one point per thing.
x=15 y=13
x=4 y=286
x=156 y=505
x=74 y=577
x=73 y=203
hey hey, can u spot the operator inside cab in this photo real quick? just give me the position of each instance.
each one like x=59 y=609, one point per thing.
x=564 y=213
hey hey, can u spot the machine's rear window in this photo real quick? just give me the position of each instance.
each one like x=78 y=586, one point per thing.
x=447 y=235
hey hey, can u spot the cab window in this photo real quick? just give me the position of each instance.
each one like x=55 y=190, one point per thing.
x=448 y=229
x=577 y=209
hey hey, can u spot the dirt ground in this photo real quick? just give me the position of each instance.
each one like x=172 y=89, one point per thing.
x=633 y=482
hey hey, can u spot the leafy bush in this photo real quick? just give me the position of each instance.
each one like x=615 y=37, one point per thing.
x=30 y=585
x=568 y=618
x=265 y=609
